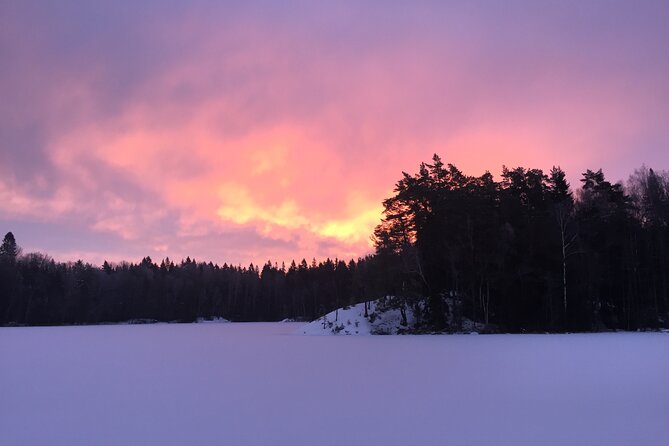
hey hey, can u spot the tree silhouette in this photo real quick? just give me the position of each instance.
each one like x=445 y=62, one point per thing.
x=9 y=249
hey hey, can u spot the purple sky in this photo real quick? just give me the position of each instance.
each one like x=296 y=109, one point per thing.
x=274 y=130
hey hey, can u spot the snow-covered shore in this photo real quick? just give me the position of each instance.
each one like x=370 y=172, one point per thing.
x=377 y=318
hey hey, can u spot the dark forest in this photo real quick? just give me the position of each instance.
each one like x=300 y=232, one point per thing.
x=527 y=253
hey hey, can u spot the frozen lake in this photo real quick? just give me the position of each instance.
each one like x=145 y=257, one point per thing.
x=261 y=384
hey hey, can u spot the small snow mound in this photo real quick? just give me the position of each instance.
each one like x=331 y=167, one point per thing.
x=387 y=316
x=216 y=320
x=139 y=321
x=352 y=321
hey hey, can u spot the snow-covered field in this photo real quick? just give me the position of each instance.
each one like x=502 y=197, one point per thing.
x=267 y=384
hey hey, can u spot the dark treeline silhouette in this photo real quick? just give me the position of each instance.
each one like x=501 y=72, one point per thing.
x=523 y=254
x=526 y=253
x=36 y=290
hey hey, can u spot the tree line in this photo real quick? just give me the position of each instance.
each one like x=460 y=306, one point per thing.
x=526 y=253
x=36 y=290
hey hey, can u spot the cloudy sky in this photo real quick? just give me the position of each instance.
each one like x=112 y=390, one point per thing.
x=247 y=131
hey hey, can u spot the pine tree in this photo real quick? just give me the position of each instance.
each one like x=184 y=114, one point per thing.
x=9 y=249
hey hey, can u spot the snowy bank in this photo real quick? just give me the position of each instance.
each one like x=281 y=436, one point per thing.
x=353 y=321
x=380 y=318
x=216 y=320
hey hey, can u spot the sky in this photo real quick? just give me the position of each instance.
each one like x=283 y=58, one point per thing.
x=243 y=132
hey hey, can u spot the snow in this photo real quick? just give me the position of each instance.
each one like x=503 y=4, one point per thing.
x=381 y=319
x=216 y=320
x=263 y=384
x=352 y=321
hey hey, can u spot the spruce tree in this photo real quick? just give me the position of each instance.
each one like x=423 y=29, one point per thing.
x=9 y=248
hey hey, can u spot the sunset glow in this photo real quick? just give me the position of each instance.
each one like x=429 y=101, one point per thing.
x=275 y=131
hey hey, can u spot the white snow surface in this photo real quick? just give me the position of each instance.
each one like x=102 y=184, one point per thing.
x=216 y=320
x=380 y=319
x=352 y=321
x=263 y=384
